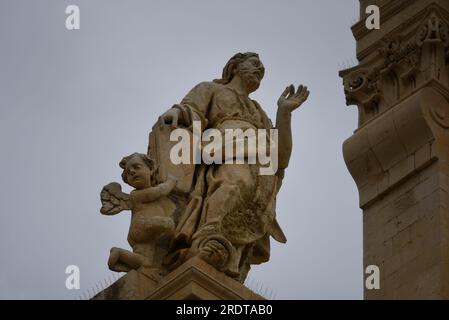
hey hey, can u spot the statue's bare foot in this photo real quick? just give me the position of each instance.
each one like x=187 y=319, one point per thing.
x=115 y=263
x=114 y=256
x=214 y=253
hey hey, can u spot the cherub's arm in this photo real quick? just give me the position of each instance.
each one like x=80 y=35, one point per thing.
x=153 y=193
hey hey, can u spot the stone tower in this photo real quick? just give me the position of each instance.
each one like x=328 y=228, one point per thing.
x=399 y=154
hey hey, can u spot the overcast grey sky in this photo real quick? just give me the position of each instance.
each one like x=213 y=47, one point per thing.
x=72 y=103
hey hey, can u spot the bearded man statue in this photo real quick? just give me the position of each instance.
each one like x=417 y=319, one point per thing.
x=229 y=213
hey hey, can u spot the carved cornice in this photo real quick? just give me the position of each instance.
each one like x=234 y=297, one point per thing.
x=401 y=64
x=388 y=11
x=408 y=24
x=399 y=142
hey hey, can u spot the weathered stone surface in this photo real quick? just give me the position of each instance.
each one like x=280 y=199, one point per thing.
x=399 y=155
x=193 y=280
x=135 y=285
x=196 y=279
x=152 y=226
x=220 y=212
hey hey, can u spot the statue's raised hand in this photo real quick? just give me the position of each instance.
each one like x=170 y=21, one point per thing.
x=291 y=100
x=113 y=200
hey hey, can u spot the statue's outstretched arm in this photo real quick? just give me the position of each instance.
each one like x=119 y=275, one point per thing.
x=287 y=103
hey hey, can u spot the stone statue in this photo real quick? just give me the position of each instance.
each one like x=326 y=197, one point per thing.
x=223 y=213
x=152 y=225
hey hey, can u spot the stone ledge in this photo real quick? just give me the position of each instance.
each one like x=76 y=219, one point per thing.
x=196 y=279
x=193 y=280
x=368 y=40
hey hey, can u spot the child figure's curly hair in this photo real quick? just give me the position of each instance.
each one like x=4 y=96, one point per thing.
x=145 y=158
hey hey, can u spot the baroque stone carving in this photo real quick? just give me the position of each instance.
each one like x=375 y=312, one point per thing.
x=402 y=64
x=440 y=114
x=152 y=224
x=434 y=29
x=398 y=156
x=222 y=213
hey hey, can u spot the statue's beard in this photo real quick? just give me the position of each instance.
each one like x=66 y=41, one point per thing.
x=251 y=78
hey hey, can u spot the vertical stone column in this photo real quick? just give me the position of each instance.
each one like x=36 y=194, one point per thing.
x=399 y=154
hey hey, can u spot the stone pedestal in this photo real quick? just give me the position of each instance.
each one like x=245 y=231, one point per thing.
x=399 y=154
x=194 y=280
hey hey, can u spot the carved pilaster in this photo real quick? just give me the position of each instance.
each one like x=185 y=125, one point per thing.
x=399 y=154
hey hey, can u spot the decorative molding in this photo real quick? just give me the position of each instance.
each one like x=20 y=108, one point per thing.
x=400 y=66
x=408 y=24
x=434 y=29
x=388 y=11
x=396 y=144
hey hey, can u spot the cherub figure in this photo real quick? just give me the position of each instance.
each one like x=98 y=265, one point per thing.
x=151 y=230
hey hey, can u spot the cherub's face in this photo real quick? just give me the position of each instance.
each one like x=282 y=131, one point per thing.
x=138 y=174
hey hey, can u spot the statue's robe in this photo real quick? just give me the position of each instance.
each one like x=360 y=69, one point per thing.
x=230 y=203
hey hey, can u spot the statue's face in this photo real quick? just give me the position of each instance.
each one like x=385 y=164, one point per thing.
x=251 y=71
x=138 y=174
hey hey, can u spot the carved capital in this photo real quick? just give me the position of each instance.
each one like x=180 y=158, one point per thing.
x=404 y=61
x=434 y=29
x=399 y=142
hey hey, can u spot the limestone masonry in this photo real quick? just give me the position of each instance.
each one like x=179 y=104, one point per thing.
x=398 y=155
